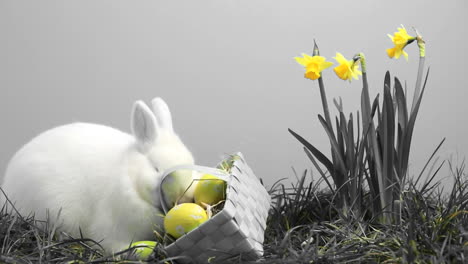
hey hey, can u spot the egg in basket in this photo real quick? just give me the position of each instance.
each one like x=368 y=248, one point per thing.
x=226 y=217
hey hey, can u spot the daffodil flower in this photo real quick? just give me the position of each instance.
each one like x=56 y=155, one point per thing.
x=347 y=69
x=400 y=39
x=314 y=65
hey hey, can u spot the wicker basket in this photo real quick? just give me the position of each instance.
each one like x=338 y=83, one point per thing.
x=238 y=229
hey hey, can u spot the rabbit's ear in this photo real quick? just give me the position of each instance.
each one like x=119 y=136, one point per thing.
x=144 y=125
x=161 y=110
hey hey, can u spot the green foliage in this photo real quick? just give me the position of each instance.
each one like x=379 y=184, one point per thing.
x=28 y=240
x=378 y=157
x=432 y=228
x=370 y=212
x=304 y=226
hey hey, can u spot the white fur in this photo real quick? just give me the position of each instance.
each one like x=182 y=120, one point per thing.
x=104 y=181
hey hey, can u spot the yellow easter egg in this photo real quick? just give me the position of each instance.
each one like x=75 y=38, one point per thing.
x=143 y=249
x=183 y=218
x=177 y=187
x=209 y=190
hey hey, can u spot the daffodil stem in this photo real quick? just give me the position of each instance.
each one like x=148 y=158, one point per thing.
x=422 y=46
x=363 y=62
x=326 y=110
x=323 y=96
x=422 y=59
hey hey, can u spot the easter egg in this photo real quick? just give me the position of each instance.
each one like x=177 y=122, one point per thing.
x=177 y=187
x=183 y=218
x=143 y=249
x=209 y=190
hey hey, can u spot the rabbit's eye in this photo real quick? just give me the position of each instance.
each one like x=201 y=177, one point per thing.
x=156 y=169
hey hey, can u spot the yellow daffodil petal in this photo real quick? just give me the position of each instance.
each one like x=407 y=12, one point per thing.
x=400 y=39
x=301 y=61
x=396 y=51
x=314 y=65
x=355 y=72
x=320 y=60
x=347 y=69
x=340 y=58
x=405 y=54
x=325 y=65
x=305 y=60
x=308 y=57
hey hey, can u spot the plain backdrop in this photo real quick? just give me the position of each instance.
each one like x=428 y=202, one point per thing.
x=226 y=68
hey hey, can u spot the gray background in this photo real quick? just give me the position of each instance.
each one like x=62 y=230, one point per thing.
x=226 y=69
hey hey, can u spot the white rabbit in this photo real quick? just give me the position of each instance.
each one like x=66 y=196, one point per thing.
x=104 y=181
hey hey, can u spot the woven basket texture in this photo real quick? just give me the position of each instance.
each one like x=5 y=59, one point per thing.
x=238 y=229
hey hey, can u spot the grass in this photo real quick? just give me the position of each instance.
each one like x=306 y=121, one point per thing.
x=304 y=226
x=432 y=229
x=368 y=212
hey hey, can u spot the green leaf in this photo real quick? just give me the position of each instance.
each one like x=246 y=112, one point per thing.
x=360 y=158
x=417 y=87
x=388 y=138
x=340 y=136
x=300 y=187
x=324 y=176
x=408 y=134
x=358 y=128
x=402 y=126
x=401 y=101
x=319 y=155
x=350 y=154
x=429 y=160
x=372 y=179
x=359 y=150
x=425 y=188
x=366 y=112
x=374 y=161
x=335 y=147
x=338 y=105
x=387 y=79
x=350 y=147
x=375 y=106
